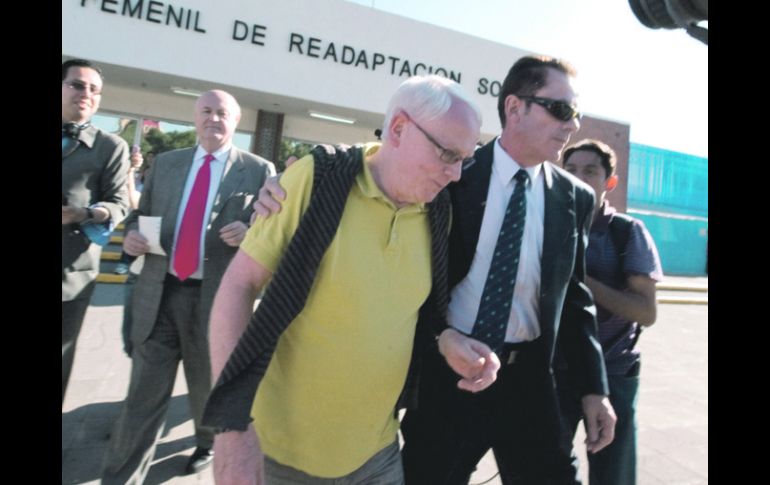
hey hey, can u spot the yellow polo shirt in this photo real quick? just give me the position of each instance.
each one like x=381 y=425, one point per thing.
x=325 y=405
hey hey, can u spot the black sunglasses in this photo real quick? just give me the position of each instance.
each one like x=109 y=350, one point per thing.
x=558 y=109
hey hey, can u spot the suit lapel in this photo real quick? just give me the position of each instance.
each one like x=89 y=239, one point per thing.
x=558 y=228
x=177 y=171
x=470 y=199
x=231 y=180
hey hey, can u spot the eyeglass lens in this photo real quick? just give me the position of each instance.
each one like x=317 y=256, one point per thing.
x=82 y=87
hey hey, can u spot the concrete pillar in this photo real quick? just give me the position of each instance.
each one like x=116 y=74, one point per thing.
x=268 y=134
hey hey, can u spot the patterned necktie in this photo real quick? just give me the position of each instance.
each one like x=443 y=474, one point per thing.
x=495 y=305
x=188 y=240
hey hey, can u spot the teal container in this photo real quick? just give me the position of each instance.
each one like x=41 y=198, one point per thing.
x=667 y=182
x=668 y=191
x=682 y=241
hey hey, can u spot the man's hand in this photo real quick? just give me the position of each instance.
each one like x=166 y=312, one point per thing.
x=474 y=361
x=135 y=244
x=71 y=215
x=238 y=458
x=599 y=420
x=233 y=233
x=270 y=195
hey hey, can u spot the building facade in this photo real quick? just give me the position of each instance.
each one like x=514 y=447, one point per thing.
x=312 y=71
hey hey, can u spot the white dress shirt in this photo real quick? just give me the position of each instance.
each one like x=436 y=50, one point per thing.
x=523 y=323
x=217 y=166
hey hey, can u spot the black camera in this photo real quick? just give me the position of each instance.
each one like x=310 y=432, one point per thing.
x=673 y=14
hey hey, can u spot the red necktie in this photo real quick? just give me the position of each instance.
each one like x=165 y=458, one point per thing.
x=188 y=240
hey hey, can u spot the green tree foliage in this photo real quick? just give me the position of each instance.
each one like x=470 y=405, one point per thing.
x=291 y=147
x=157 y=141
x=160 y=142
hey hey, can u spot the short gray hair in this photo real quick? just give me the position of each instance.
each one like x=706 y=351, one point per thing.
x=426 y=98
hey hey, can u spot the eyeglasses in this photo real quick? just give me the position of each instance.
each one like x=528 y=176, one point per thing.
x=446 y=155
x=82 y=87
x=558 y=109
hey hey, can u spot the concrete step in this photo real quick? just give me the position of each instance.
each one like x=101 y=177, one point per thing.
x=107 y=269
x=110 y=258
x=111 y=278
x=682 y=287
x=683 y=297
x=683 y=293
x=683 y=300
x=110 y=255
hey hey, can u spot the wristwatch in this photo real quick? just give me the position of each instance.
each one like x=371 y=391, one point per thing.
x=89 y=216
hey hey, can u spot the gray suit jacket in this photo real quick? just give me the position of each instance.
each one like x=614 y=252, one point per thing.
x=243 y=176
x=95 y=173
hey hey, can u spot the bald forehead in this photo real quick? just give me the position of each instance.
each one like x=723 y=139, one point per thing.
x=217 y=98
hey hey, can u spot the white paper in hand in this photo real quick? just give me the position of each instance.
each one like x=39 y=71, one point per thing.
x=149 y=227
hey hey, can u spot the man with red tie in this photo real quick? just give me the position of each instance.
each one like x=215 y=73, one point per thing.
x=203 y=196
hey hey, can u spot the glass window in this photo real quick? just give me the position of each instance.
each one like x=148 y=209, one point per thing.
x=170 y=127
x=109 y=123
x=158 y=135
x=242 y=140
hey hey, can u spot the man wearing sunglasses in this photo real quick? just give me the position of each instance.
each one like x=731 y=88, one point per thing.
x=94 y=195
x=518 y=415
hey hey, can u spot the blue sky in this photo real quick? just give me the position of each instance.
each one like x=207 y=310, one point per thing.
x=656 y=80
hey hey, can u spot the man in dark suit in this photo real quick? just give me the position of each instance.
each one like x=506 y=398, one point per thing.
x=203 y=196
x=94 y=197
x=517 y=416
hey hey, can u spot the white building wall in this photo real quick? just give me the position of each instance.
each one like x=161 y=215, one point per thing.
x=279 y=79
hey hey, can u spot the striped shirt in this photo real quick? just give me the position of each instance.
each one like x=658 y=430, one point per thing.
x=618 y=335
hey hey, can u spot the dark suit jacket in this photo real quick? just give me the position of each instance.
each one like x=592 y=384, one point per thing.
x=95 y=173
x=244 y=174
x=563 y=296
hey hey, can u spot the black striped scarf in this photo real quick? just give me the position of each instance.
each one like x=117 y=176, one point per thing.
x=335 y=169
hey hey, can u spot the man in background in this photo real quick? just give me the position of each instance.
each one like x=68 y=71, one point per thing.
x=94 y=197
x=623 y=266
x=202 y=196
